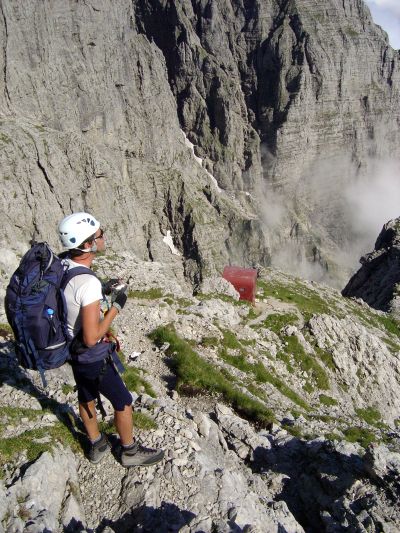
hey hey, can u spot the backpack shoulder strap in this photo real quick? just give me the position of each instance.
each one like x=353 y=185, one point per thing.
x=76 y=271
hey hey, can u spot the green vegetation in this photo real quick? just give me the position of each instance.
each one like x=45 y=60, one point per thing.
x=370 y=415
x=135 y=382
x=210 y=342
x=67 y=389
x=387 y=322
x=260 y=373
x=276 y=321
x=5 y=139
x=332 y=436
x=326 y=357
x=133 y=379
x=307 y=301
x=295 y=431
x=327 y=400
x=150 y=294
x=140 y=421
x=230 y=341
x=351 y=32
x=361 y=435
x=224 y=298
x=6 y=331
x=61 y=432
x=14 y=414
x=194 y=375
x=306 y=362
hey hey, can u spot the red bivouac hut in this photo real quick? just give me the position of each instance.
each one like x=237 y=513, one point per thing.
x=244 y=280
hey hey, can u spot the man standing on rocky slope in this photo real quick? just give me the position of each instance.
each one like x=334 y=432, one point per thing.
x=92 y=363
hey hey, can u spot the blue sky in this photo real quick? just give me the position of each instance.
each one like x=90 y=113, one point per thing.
x=386 y=13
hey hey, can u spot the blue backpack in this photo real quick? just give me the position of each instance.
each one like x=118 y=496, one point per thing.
x=36 y=309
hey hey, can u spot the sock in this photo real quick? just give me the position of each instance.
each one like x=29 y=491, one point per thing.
x=96 y=440
x=128 y=446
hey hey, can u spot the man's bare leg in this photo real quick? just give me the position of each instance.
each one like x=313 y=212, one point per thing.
x=124 y=424
x=89 y=419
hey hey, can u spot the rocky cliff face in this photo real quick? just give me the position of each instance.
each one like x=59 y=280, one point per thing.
x=285 y=101
x=377 y=281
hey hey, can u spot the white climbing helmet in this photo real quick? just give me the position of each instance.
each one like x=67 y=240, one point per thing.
x=76 y=228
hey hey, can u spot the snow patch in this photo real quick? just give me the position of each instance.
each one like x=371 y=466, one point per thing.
x=200 y=161
x=170 y=243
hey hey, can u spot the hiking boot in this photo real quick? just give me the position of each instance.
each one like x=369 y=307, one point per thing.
x=138 y=455
x=98 y=449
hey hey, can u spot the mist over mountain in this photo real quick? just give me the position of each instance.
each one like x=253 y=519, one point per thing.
x=292 y=106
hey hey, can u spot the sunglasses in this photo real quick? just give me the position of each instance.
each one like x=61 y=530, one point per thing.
x=99 y=236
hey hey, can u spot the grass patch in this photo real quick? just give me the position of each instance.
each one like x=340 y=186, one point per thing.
x=276 y=321
x=370 y=415
x=197 y=375
x=327 y=400
x=224 y=298
x=133 y=379
x=59 y=432
x=262 y=375
x=229 y=340
x=326 y=357
x=67 y=389
x=135 y=382
x=143 y=421
x=140 y=421
x=389 y=323
x=149 y=294
x=5 y=331
x=306 y=362
x=238 y=361
x=295 y=431
x=332 y=436
x=253 y=314
x=356 y=434
x=306 y=300
x=307 y=387
x=14 y=414
x=283 y=356
x=385 y=322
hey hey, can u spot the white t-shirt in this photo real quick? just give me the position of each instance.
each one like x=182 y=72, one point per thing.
x=80 y=291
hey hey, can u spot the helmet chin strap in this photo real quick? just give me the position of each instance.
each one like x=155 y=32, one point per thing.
x=89 y=250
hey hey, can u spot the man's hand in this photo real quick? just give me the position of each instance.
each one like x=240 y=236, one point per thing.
x=108 y=285
x=118 y=299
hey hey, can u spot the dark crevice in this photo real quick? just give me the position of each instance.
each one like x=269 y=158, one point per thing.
x=5 y=68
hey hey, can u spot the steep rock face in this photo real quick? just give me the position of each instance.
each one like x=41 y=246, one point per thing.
x=285 y=101
x=377 y=281
x=88 y=121
x=288 y=100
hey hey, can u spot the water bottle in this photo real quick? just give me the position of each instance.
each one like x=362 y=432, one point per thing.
x=50 y=318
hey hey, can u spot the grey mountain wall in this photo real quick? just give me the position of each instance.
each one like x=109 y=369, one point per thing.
x=377 y=282
x=286 y=102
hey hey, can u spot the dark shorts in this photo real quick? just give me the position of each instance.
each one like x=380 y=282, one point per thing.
x=111 y=385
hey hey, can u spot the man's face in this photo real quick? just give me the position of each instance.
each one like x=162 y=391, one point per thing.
x=99 y=239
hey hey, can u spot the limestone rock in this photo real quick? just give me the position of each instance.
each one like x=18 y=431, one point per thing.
x=47 y=493
x=367 y=366
x=377 y=282
x=284 y=105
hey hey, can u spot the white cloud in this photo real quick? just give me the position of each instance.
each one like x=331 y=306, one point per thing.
x=386 y=13
x=390 y=5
